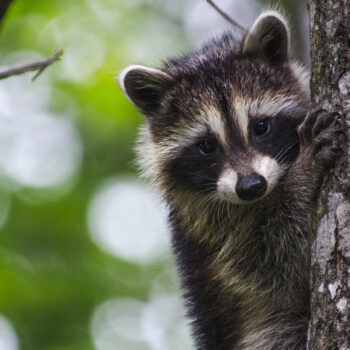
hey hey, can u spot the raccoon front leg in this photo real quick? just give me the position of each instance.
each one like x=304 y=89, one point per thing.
x=321 y=135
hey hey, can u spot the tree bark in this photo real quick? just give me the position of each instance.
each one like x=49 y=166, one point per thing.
x=330 y=261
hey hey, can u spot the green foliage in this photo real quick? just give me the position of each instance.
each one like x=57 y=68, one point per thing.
x=53 y=276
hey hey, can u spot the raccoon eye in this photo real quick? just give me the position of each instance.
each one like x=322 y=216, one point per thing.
x=262 y=127
x=207 y=146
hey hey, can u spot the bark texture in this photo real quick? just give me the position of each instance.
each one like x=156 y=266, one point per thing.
x=330 y=261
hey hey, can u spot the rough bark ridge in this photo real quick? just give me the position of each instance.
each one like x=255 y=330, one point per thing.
x=330 y=261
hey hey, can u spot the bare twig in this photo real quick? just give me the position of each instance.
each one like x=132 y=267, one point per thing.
x=39 y=66
x=226 y=16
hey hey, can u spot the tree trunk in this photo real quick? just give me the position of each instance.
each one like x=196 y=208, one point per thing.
x=330 y=261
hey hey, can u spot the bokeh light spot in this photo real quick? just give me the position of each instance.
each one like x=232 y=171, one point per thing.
x=37 y=149
x=116 y=325
x=127 y=220
x=156 y=325
x=8 y=337
x=164 y=325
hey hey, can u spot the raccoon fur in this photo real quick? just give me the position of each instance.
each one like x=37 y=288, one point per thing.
x=230 y=146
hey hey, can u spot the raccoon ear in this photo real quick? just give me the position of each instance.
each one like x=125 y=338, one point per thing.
x=144 y=87
x=269 y=37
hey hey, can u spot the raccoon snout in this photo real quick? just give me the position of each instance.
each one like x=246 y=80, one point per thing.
x=251 y=187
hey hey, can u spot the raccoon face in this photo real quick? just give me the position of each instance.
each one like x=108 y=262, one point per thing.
x=222 y=121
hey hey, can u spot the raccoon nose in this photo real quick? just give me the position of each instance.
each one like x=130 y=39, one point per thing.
x=251 y=187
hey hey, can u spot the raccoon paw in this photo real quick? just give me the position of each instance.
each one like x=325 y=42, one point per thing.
x=321 y=136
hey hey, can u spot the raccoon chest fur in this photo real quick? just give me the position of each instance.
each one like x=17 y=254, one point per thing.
x=228 y=145
x=248 y=287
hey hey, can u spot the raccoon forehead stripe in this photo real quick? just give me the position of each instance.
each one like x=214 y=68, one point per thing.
x=216 y=124
x=266 y=106
x=183 y=136
x=271 y=105
x=241 y=108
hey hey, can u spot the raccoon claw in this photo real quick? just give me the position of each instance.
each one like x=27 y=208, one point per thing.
x=323 y=121
x=315 y=122
x=322 y=134
x=305 y=129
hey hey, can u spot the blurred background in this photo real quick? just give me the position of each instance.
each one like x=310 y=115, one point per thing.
x=85 y=260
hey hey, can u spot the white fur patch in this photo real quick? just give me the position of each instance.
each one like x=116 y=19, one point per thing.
x=269 y=169
x=262 y=165
x=151 y=155
x=147 y=151
x=241 y=108
x=185 y=135
x=272 y=105
x=213 y=119
x=265 y=106
x=227 y=186
x=303 y=76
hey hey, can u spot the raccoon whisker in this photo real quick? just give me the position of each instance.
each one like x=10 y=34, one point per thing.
x=206 y=202
x=281 y=152
x=210 y=185
x=224 y=214
x=208 y=191
x=223 y=219
x=279 y=157
x=228 y=212
x=219 y=213
x=219 y=207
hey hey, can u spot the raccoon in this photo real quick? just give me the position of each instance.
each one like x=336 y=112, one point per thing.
x=231 y=147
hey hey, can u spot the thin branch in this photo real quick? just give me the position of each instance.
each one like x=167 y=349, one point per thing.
x=39 y=66
x=226 y=16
